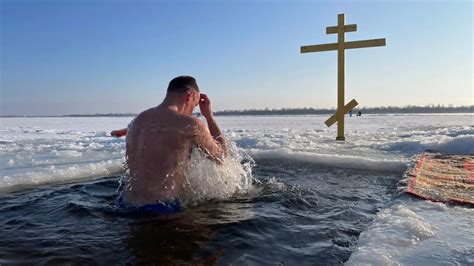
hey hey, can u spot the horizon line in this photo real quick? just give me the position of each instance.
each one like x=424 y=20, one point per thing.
x=289 y=110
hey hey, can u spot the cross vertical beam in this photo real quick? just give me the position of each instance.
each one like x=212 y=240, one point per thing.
x=340 y=47
x=340 y=76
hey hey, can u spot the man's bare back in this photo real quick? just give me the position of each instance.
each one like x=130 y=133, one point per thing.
x=159 y=144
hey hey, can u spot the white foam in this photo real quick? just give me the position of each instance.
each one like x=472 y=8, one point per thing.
x=207 y=180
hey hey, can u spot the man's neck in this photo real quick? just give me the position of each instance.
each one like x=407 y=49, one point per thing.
x=173 y=106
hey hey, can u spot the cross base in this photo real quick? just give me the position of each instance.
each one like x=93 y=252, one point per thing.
x=346 y=109
x=340 y=138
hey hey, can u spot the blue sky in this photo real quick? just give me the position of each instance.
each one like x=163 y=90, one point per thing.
x=81 y=56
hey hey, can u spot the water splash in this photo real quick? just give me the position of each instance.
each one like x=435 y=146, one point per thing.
x=206 y=180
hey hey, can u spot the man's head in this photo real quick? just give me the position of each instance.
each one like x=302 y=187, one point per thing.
x=186 y=90
x=183 y=84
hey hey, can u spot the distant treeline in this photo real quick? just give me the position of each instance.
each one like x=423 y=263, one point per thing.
x=410 y=109
x=101 y=115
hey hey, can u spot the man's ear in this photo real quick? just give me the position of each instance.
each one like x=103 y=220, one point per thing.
x=189 y=96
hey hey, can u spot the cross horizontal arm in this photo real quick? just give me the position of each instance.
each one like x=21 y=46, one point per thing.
x=346 y=109
x=347 y=28
x=364 y=43
x=347 y=45
x=319 y=48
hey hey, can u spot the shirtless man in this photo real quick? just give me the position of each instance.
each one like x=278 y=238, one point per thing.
x=159 y=144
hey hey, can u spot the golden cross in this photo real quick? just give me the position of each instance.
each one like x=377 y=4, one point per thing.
x=341 y=46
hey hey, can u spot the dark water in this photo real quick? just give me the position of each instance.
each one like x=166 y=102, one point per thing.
x=308 y=215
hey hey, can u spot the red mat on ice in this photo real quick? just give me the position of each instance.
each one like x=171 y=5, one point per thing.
x=444 y=178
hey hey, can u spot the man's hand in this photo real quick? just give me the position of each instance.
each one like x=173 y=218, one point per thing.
x=205 y=106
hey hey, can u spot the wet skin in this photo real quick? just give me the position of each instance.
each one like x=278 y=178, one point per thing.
x=158 y=147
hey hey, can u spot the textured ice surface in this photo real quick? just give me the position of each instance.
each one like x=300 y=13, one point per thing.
x=410 y=231
x=38 y=151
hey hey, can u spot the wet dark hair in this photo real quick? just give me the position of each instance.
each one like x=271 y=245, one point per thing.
x=183 y=84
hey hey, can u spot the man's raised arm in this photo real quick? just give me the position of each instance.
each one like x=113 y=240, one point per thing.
x=210 y=138
x=216 y=133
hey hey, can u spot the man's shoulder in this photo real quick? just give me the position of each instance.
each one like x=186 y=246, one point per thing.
x=194 y=126
x=143 y=115
x=197 y=123
x=192 y=123
x=194 y=120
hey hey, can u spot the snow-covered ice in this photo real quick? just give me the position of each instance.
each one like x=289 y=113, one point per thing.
x=40 y=151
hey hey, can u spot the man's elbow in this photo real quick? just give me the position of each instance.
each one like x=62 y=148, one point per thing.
x=224 y=153
x=223 y=146
x=220 y=156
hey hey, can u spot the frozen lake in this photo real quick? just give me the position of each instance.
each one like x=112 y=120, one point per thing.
x=302 y=176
